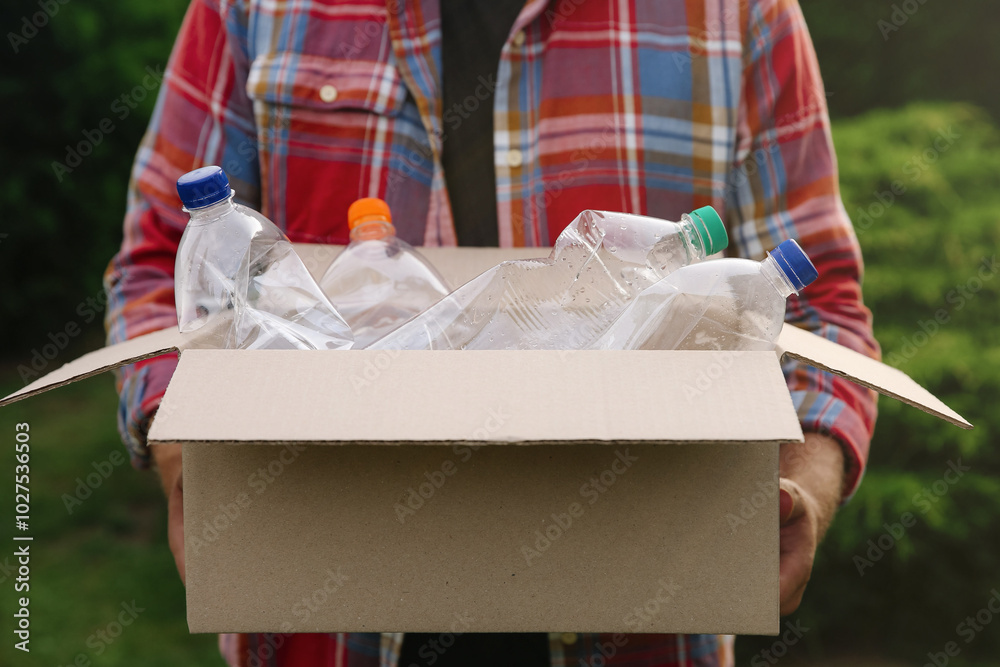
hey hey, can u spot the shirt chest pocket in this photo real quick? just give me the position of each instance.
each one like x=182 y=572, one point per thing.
x=322 y=123
x=321 y=101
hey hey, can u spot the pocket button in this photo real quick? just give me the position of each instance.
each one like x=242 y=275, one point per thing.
x=328 y=93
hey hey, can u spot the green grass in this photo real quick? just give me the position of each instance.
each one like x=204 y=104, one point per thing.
x=111 y=551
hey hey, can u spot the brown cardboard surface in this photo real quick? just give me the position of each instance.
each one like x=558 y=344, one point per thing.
x=827 y=355
x=319 y=536
x=476 y=396
x=104 y=359
x=309 y=538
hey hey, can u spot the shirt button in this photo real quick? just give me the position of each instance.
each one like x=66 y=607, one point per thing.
x=515 y=158
x=568 y=638
x=519 y=38
x=328 y=93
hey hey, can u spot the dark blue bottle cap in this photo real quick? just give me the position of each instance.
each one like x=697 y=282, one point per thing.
x=794 y=263
x=203 y=187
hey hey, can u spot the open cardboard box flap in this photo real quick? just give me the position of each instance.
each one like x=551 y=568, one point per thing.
x=821 y=353
x=459 y=265
x=105 y=359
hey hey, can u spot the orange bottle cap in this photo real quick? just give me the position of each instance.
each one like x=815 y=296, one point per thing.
x=370 y=208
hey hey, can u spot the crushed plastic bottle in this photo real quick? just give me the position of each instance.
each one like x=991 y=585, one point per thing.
x=599 y=263
x=725 y=304
x=379 y=281
x=237 y=273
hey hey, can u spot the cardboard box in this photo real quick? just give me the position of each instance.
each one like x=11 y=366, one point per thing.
x=482 y=491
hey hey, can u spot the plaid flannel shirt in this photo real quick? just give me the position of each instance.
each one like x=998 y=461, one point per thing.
x=645 y=106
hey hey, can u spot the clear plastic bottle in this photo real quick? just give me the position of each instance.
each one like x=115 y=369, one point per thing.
x=237 y=273
x=379 y=281
x=599 y=263
x=726 y=304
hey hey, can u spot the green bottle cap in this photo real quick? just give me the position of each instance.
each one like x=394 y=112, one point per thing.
x=710 y=227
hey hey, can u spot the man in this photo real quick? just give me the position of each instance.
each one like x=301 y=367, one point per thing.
x=496 y=123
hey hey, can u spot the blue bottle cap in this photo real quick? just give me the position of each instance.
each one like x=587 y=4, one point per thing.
x=794 y=263
x=203 y=187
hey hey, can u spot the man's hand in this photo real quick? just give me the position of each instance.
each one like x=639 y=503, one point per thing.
x=168 y=460
x=812 y=478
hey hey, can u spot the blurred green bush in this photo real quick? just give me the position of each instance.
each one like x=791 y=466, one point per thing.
x=63 y=86
x=891 y=53
x=881 y=587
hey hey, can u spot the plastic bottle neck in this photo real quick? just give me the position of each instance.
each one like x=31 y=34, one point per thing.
x=693 y=237
x=770 y=270
x=372 y=229
x=206 y=214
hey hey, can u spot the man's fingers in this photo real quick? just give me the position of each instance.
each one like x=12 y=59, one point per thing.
x=797 y=548
x=798 y=543
x=790 y=603
x=796 y=566
x=175 y=526
x=790 y=501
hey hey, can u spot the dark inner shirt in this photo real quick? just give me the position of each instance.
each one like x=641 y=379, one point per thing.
x=497 y=649
x=472 y=34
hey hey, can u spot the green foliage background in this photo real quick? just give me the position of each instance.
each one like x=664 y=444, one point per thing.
x=928 y=245
x=890 y=91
